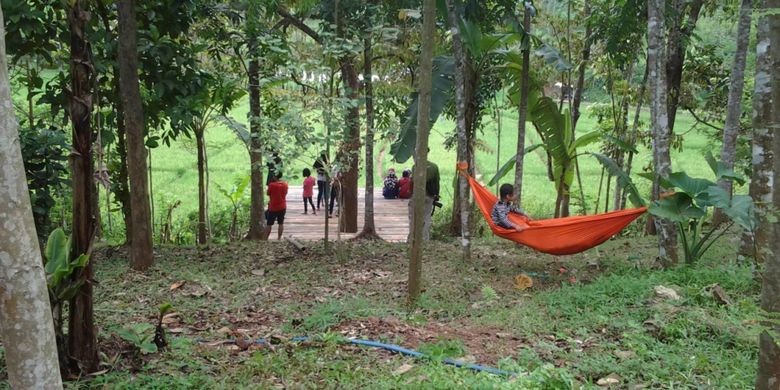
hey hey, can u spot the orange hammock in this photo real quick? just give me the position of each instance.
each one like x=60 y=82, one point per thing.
x=558 y=236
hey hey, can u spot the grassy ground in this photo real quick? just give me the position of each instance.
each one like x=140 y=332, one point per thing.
x=175 y=175
x=586 y=318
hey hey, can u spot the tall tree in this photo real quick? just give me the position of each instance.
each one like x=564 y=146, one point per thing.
x=421 y=149
x=257 y=187
x=667 y=233
x=82 y=335
x=141 y=255
x=769 y=351
x=761 y=187
x=369 y=227
x=25 y=316
x=460 y=113
x=734 y=109
x=522 y=107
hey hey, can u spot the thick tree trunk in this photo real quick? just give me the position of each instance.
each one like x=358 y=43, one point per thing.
x=369 y=227
x=761 y=182
x=82 y=335
x=256 y=220
x=201 y=146
x=667 y=232
x=350 y=150
x=522 y=108
x=25 y=315
x=460 y=109
x=141 y=255
x=680 y=32
x=769 y=352
x=734 y=109
x=421 y=150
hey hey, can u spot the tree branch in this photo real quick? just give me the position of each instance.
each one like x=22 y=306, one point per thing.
x=702 y=121
x=290 y=19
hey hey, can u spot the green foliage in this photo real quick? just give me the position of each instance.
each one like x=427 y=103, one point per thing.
x=624 y=181
x=60 y=268
x=689 y=207
x=140 y=335
x=443 y=349
x=489 y=294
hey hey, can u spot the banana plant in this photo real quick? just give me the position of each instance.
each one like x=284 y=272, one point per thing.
x=59 y=268
x=235 y=195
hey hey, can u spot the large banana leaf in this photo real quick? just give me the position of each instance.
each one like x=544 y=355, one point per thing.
x=510 y=164
x=721 y=171
x=624 y=181
x=678 y=208
x=442 y=82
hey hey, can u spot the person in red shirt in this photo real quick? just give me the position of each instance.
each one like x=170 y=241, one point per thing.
x=308 y=192
x=405 y=185
x=277 y=205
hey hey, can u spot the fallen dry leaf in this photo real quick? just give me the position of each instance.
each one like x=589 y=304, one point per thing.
x=224 y=330
x=177 y=330
x=178 y=284
x=609 y=380
x=258 y=272
x=170 y=318
x=666 y=293
x=523 y=282
x=404 y=368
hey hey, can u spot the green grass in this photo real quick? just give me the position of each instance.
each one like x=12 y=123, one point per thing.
x=175 y=174
x=556 y=335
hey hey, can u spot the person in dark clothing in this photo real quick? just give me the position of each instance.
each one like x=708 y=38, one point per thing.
x=322 y=179
x=431 y=196
x=335 y=189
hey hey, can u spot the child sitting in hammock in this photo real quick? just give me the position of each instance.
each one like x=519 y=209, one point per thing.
x=503 y=207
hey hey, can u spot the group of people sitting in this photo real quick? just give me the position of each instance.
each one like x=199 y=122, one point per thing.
x=394 y=188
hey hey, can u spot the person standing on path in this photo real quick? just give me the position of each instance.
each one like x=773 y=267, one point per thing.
x=431 y=197
x=308 y=191
x=277 y=205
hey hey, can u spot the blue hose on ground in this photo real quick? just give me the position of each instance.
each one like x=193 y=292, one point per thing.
x=407 y=352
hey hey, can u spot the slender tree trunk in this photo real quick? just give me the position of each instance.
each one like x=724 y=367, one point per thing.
x=761 y=182
x=25 y=315
x=470 y=86
x=460 y=109
x=82 y=335
x=421 y=150
x=667 y=232
x=350 y=150
x=581 y=71
x=769 y=351
x=201 y=145
x=141 y=255
x=634 y=129
x=522 y=108
x=680 y=33
x=257 y=187
x=369 y=228
x=734 y=110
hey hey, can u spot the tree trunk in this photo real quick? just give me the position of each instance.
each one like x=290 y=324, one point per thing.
x=575 y=113
x=257 y=187
x=679 y=35
x=634 y=128
x=460 y=109
x=25 y=315
x=761 y=182
x=82 y=335
x=201 y=146
x=667 y=232
x=141 y=255
x=470 y=85
x=522 y=108
x=369 y=227
x=421 y=150
x=350 y=150
x=769 y=352
x=734 y=110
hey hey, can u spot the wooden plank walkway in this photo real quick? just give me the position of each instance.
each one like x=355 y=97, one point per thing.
x=390 y=217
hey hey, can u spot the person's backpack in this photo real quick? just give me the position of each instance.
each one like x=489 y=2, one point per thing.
x=390 y=188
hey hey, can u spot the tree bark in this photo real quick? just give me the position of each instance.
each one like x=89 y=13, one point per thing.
x=141 y=255
x=350 y=149
x=460 y=109
x=679 y=35
x=369 y=227
x=201 y=146
x=761 y=182
x=734 y=108
x=769 y=352
x=421 y=149
x=470 y=85
x=82 y=335
x=257 y=186
x=634 y=129
x=25 y=314
x=575 y=113
x=522 y=108
x=667 y=232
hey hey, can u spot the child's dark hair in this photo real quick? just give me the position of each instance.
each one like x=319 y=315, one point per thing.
x=407 y=173
x=506 y=190
x=306 y=172
x=276 y=175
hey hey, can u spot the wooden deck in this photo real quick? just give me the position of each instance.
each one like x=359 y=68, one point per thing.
x=390 y=217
